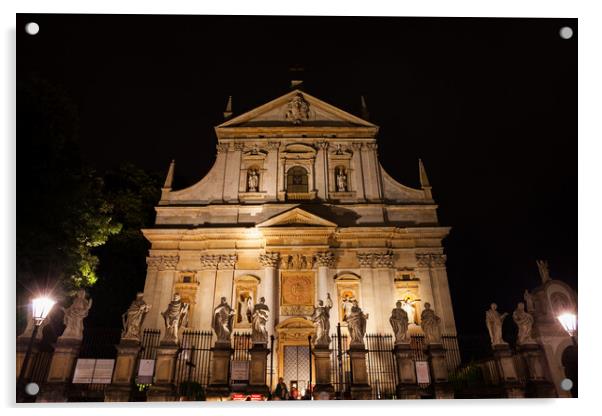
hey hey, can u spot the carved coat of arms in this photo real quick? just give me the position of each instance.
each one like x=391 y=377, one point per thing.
x=298 y=109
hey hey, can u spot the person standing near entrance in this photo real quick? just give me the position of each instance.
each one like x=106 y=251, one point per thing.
x=281 y=392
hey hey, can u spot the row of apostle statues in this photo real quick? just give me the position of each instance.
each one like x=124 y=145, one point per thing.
x=521 y=317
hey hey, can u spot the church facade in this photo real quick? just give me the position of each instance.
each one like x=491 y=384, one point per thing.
x=295 y=208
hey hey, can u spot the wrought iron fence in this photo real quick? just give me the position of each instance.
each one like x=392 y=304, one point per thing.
x=149 y=343
x=194 y=359
x=380 y=361
x=241 y=344
x=339 y=365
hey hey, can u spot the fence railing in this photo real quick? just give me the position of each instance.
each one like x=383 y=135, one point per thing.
x=381 y=365
x=194 y=358
x=340 y=369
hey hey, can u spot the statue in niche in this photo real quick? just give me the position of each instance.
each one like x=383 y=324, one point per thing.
x=223 y=315
x=529 y=301
x=253 y=181
x=133 y=318
x=175 y=317
x=341 y=180
x=261 y=314
x=321 y=320
x=356 y=322
x=431 y=325
x=298 y=109
x=74 y=316
x=399 y=323
x=245 y=307
x=408 y=305
x=524 y=322
x=494 y=321
x=347 y=304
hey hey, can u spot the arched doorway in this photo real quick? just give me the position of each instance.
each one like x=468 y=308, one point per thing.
x=297 y=180
x=569 y=361
x=293 y=352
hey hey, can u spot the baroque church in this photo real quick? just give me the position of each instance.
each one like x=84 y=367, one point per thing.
x=296 y=208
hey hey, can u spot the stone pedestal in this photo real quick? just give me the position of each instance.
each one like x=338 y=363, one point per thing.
x=220 y=371
x=360 y=386
x=124 y=373
x=61 y=370
x=537 y=384
x=163 y=389
x=257 y=371
x=22 y=345
x=323 y=389
x=443 y=390
x=507 y=370
x=406 y=372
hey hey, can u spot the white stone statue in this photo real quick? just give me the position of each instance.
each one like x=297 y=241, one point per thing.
x=494 y=321
x=321 y=320
x=261 y=314
x=341 y=181
x=544 y=270
x=253 y=181
x=356 y=322
x=347 y=304
x=223 y=315
x=524 y=322
x=175 y=317
x=408 y=305
x=431 y=325
x=399 y=323
x=133 y=318
x=74 y=316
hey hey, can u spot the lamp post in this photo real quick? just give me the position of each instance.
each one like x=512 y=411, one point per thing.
x=41 y=307
x=568 y=321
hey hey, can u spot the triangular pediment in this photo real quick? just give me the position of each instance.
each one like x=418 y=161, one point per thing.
x=296 y=217
x=296 y=109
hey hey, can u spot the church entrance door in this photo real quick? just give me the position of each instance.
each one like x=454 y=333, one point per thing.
x=296 y=367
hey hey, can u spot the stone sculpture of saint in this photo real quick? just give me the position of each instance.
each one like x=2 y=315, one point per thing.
x=223 y=315
x=341 y=181
x=408 y=305
x=133 y=318
x=175 y=317
x=530 y=305
x=399 y=323
x=347 y=305
x=74 y=316
x=321 y=320
x=494 y=321
x=356 y=322
x=431 y=325
x=261 y=314
x=524 y=322
x=253 y=181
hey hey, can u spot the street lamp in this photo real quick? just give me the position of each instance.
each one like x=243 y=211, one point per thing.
x=569 y=323
x=40 y=307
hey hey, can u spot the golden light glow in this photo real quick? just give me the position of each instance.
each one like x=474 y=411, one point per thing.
x=569 y=322
x=41 y=308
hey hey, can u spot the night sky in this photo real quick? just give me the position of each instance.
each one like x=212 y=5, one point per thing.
x=490 y=105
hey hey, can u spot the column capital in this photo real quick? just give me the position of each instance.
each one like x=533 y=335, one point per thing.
x=325 y=259
x=365 y=260
x=273 y=145
x=210 y=261
x=431 y=260
x=221 y=147
x=270 y=259
x=383 y=260
x=169 y=262
x=153 y=262
x=227 y=261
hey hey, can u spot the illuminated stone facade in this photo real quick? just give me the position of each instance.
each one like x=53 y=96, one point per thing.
x=296 y=206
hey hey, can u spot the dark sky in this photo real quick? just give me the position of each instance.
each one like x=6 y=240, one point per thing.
x=490 y=105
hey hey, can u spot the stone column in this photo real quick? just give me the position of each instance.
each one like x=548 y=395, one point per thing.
x=322 y=170
x=358 y=171
x=360 y=386
x=270 y=180
x=225 y=278
x=537 y=383
x=324 y=261
x=61 y=370
x=207 y=295
x=232 y=173
x=152 y=269
x=125 y=371
x=369 y=299
x=406 y=372
x=442 y=295
x=384 y=290
x=163 y=291
x=443 y=389
x=508 y=374
x=164 y=389
x=423 y=272
x=270 y=261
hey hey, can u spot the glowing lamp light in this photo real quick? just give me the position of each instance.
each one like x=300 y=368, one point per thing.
x=569 y=322
x=41 y=308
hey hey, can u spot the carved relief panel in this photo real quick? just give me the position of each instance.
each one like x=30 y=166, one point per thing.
x=297 y=292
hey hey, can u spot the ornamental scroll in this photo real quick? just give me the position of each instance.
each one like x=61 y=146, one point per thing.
x=297 y=294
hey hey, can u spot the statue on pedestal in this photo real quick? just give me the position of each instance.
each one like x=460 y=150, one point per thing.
x=133 y=318
x=223 y=315
x=524 y=322
x=75 y=314
x=261 y=314
x=321 y=320
x=399 y=323
x=175 y=316
x=494 y=322
x=356 y=322
x=431 y=325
